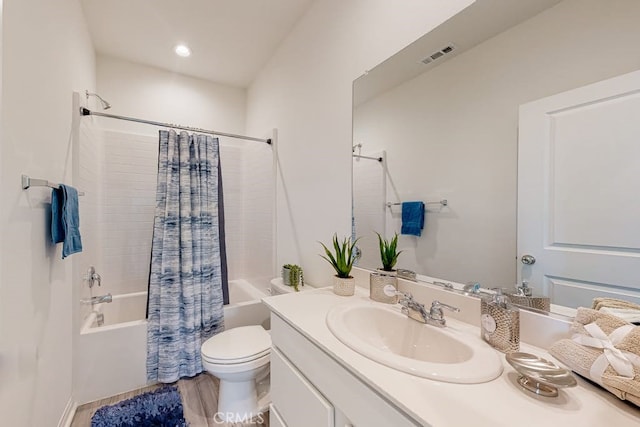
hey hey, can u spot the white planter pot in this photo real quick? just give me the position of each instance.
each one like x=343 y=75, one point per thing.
x=344 y=287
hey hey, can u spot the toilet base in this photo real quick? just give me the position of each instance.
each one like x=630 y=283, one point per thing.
x=238 y=402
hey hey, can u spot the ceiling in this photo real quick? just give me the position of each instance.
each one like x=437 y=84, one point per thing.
x=472 y=26
x=230 y=40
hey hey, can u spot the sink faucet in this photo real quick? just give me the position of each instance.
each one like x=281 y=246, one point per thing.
x=417 y=311
x=412 y=308
x=524 y=290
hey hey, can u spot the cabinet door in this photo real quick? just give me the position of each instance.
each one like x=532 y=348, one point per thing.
x=295 y=399
x=578 y=180
x=275 y=420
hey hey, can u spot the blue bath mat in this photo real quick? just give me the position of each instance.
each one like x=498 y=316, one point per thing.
x=157 y=408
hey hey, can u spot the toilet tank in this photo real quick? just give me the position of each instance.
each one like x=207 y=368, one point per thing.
x=278 y=287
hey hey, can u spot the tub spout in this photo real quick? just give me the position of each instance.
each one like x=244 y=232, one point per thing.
x=97 y=300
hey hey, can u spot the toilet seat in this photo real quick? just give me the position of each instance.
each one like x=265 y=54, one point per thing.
x=237 y=346
x=247 y=359
x=220 y=369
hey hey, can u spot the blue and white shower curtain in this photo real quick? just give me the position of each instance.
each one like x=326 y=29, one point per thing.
x=185 y=282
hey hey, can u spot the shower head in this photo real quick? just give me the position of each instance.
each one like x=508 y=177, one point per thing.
x=105 y=104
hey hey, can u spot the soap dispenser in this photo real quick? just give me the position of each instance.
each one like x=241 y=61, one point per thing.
x=500 y=322
x=523 y=296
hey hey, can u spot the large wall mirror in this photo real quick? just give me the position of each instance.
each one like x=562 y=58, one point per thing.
x=438 y=122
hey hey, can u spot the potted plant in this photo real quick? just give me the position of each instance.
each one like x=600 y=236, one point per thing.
x=383 y=284
x=341 y=259
x=388 y=253
x=292 y=276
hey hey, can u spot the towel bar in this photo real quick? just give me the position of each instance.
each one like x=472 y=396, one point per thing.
x=443 y=202
x=27 y=182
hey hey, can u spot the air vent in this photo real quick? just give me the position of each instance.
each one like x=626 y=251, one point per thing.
x=438 y=54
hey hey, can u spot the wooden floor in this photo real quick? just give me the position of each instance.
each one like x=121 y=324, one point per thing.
x=199 y=400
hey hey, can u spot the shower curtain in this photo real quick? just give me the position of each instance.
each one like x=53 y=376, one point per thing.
x=186 y=279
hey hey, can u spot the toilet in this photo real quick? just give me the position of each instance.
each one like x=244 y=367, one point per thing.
x=239 y=357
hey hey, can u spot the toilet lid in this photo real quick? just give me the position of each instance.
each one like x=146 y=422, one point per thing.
x=237 y=345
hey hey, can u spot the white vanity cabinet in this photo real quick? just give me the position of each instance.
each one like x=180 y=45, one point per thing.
x=309 y=388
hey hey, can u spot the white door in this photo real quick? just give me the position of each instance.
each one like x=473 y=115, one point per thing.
x=579 y=192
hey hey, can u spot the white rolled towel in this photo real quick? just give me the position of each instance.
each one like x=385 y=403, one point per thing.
x=629 y=314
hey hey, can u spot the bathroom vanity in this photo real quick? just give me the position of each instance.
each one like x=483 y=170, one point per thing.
x=316 y=380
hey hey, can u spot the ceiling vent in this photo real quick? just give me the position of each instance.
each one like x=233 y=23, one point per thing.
x=438 y=54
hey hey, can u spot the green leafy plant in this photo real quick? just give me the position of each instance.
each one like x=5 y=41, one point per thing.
x=388 y=252
x=295 y=275
x=341 y=259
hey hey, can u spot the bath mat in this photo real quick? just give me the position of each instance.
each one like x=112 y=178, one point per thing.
x=160 y=407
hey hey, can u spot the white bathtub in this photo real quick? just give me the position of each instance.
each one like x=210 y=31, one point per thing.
x=112 y=357
x=125 y=310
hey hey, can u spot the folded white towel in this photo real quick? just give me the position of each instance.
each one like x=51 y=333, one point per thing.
x=629 y=314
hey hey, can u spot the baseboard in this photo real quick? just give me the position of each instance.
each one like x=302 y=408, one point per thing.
x=69 y=412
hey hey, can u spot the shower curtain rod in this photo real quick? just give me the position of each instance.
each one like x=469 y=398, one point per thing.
x=87 y=112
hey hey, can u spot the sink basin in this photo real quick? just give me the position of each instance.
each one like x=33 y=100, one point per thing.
x=387 y=336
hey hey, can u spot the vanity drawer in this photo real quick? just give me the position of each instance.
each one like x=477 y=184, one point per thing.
x=296 y=400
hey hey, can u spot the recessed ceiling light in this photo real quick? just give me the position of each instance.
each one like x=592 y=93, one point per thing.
x=183 y=50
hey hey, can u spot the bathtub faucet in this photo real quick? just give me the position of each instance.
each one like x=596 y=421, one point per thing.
x=97 y=300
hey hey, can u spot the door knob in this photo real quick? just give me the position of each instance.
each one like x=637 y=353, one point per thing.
x=528 y=259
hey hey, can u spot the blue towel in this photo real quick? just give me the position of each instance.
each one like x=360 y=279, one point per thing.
x=65 y=220
x=412 y=218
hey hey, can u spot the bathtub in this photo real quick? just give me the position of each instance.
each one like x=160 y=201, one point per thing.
x=112 y=356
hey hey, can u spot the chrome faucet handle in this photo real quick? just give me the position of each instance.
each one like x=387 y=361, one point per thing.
x=436 y=312
x=403 y=273
x=438 y=304
x=406 y=301
x=92 y=277
x=445 y=285
x=406 y=295
x=95 y=277
x=405 y=298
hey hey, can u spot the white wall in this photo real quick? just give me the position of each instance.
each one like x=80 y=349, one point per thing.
x=47 y=54
x=150 y=93
x=305 y=92
x=454 y=131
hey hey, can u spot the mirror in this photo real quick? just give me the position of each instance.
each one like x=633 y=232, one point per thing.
x=439 y=121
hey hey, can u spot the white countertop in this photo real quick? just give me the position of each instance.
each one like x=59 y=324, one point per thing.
x=500 y=402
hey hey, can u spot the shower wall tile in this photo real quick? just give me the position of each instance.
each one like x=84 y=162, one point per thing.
x=258 y=201
x=88 y=180
x=231 y=162
x=369 y=198
x=127 y=210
